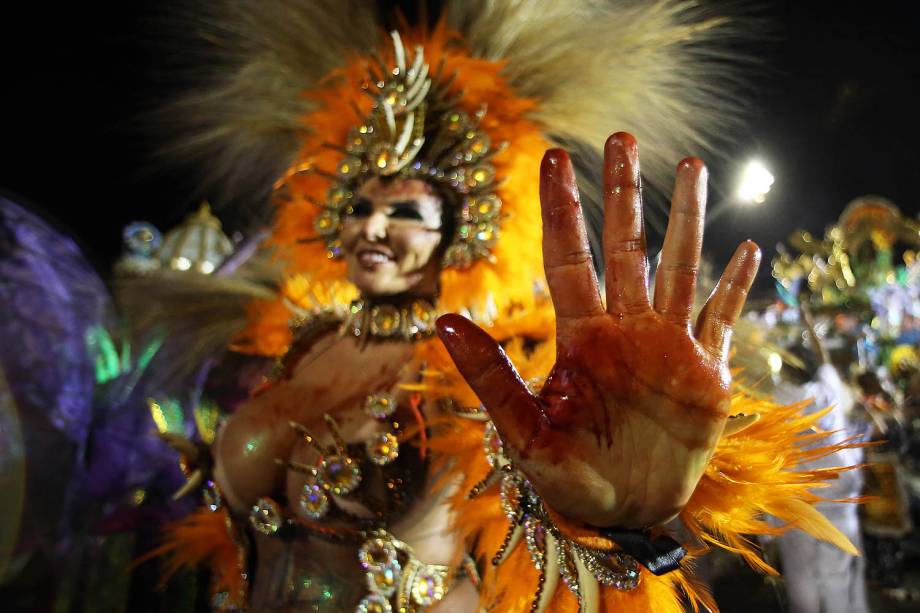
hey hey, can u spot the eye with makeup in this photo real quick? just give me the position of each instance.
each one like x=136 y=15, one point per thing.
x=407 y=210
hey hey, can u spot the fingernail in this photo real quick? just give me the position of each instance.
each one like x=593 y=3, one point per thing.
x=555 y=173
x=554 y=162
x=622 y=155
x=445 y=326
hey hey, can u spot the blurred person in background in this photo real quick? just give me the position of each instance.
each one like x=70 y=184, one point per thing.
x=820 y=578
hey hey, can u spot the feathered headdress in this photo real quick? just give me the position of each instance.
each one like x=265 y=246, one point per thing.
x=316 y=93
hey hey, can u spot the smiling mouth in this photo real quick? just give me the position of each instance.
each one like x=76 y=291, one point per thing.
x=373 y=258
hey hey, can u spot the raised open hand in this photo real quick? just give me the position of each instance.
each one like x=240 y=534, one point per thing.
x=631 y=412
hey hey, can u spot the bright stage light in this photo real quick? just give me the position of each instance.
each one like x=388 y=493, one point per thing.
x=756 y=182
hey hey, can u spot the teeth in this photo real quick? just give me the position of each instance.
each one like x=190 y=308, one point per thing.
x=374 y=257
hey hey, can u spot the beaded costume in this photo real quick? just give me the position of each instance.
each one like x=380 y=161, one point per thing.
x=469 y=106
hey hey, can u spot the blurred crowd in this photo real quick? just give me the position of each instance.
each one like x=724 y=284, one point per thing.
x=841 y=338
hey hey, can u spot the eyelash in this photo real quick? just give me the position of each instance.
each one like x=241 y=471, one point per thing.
x=362 y=208
x=406 y=212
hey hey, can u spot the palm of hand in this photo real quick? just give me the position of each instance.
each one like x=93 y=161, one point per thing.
x=630 y=414
x=633 y=409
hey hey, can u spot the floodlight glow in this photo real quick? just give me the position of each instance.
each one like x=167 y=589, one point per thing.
x=756 y=182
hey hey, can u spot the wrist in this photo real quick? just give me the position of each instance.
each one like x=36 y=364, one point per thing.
x=659 y=553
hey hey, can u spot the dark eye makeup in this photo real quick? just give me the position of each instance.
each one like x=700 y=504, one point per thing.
x=406 y=210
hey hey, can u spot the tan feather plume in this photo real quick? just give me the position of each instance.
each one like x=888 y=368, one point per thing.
x=247 y=64
x=658 y=69
x=196 y=314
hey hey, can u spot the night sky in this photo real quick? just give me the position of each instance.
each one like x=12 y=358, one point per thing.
x=834 y=117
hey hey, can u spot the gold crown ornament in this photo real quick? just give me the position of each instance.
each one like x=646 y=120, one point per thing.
x=415 y=130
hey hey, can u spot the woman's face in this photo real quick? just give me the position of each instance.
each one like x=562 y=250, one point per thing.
x=389 y=235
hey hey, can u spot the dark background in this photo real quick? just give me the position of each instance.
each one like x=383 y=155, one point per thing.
x=834 y=117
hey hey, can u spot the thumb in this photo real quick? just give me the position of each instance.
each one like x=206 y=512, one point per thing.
x=490 y=374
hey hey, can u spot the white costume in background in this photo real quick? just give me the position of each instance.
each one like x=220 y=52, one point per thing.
x=819 y=577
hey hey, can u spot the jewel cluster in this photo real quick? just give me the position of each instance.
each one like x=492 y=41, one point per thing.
x=415 y=321
x=550 y=550
x=393 y=572
x=413 y=132
x=337 y=473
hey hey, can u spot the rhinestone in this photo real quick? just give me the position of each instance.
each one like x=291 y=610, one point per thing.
x=384 y=320
x=477 y=145
x=265 y=516
x=338 y=196
x=422 y=316
x=374 y=603
x=567 y=567
x=327 y=223
x=383 y=449
x=486 y=233
x=480 y=176
x=486 y=207
x=376 y=554
x=511 y=496
x=456 y=121
x=380 y=406
x=492 y=445
x=385 y=580
x=394 y=98
x=334 y=249
x=212 y=497
x=427 y=586
x=357 y=142
x=341 y=474
x=313 y=499
x=350 y=167
x=614 y=570
x=535 y=536
x=383 y=158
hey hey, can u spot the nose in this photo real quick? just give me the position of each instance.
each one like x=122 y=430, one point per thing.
x=375 y=226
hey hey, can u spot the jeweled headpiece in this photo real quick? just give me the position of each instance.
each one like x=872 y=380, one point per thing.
x=415 y=130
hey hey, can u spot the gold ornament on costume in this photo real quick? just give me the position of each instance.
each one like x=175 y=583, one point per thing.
x=553 y=554
x=383 y=449
x=395 y=574
x=415 y=131
x=414 y=321
x=266 y=516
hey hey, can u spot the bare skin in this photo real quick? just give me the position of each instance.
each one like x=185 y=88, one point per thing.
x=389 y=242
x=629 y=415
x=638 y=398
x=390 y=236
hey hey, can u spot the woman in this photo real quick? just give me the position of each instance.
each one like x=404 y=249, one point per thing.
x=387 y=469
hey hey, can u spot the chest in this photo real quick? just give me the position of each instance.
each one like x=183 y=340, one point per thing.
x=357 y=463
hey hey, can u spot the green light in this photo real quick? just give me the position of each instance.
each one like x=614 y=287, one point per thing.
x=147 y=354
x=99 y=344
x=253 y=444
